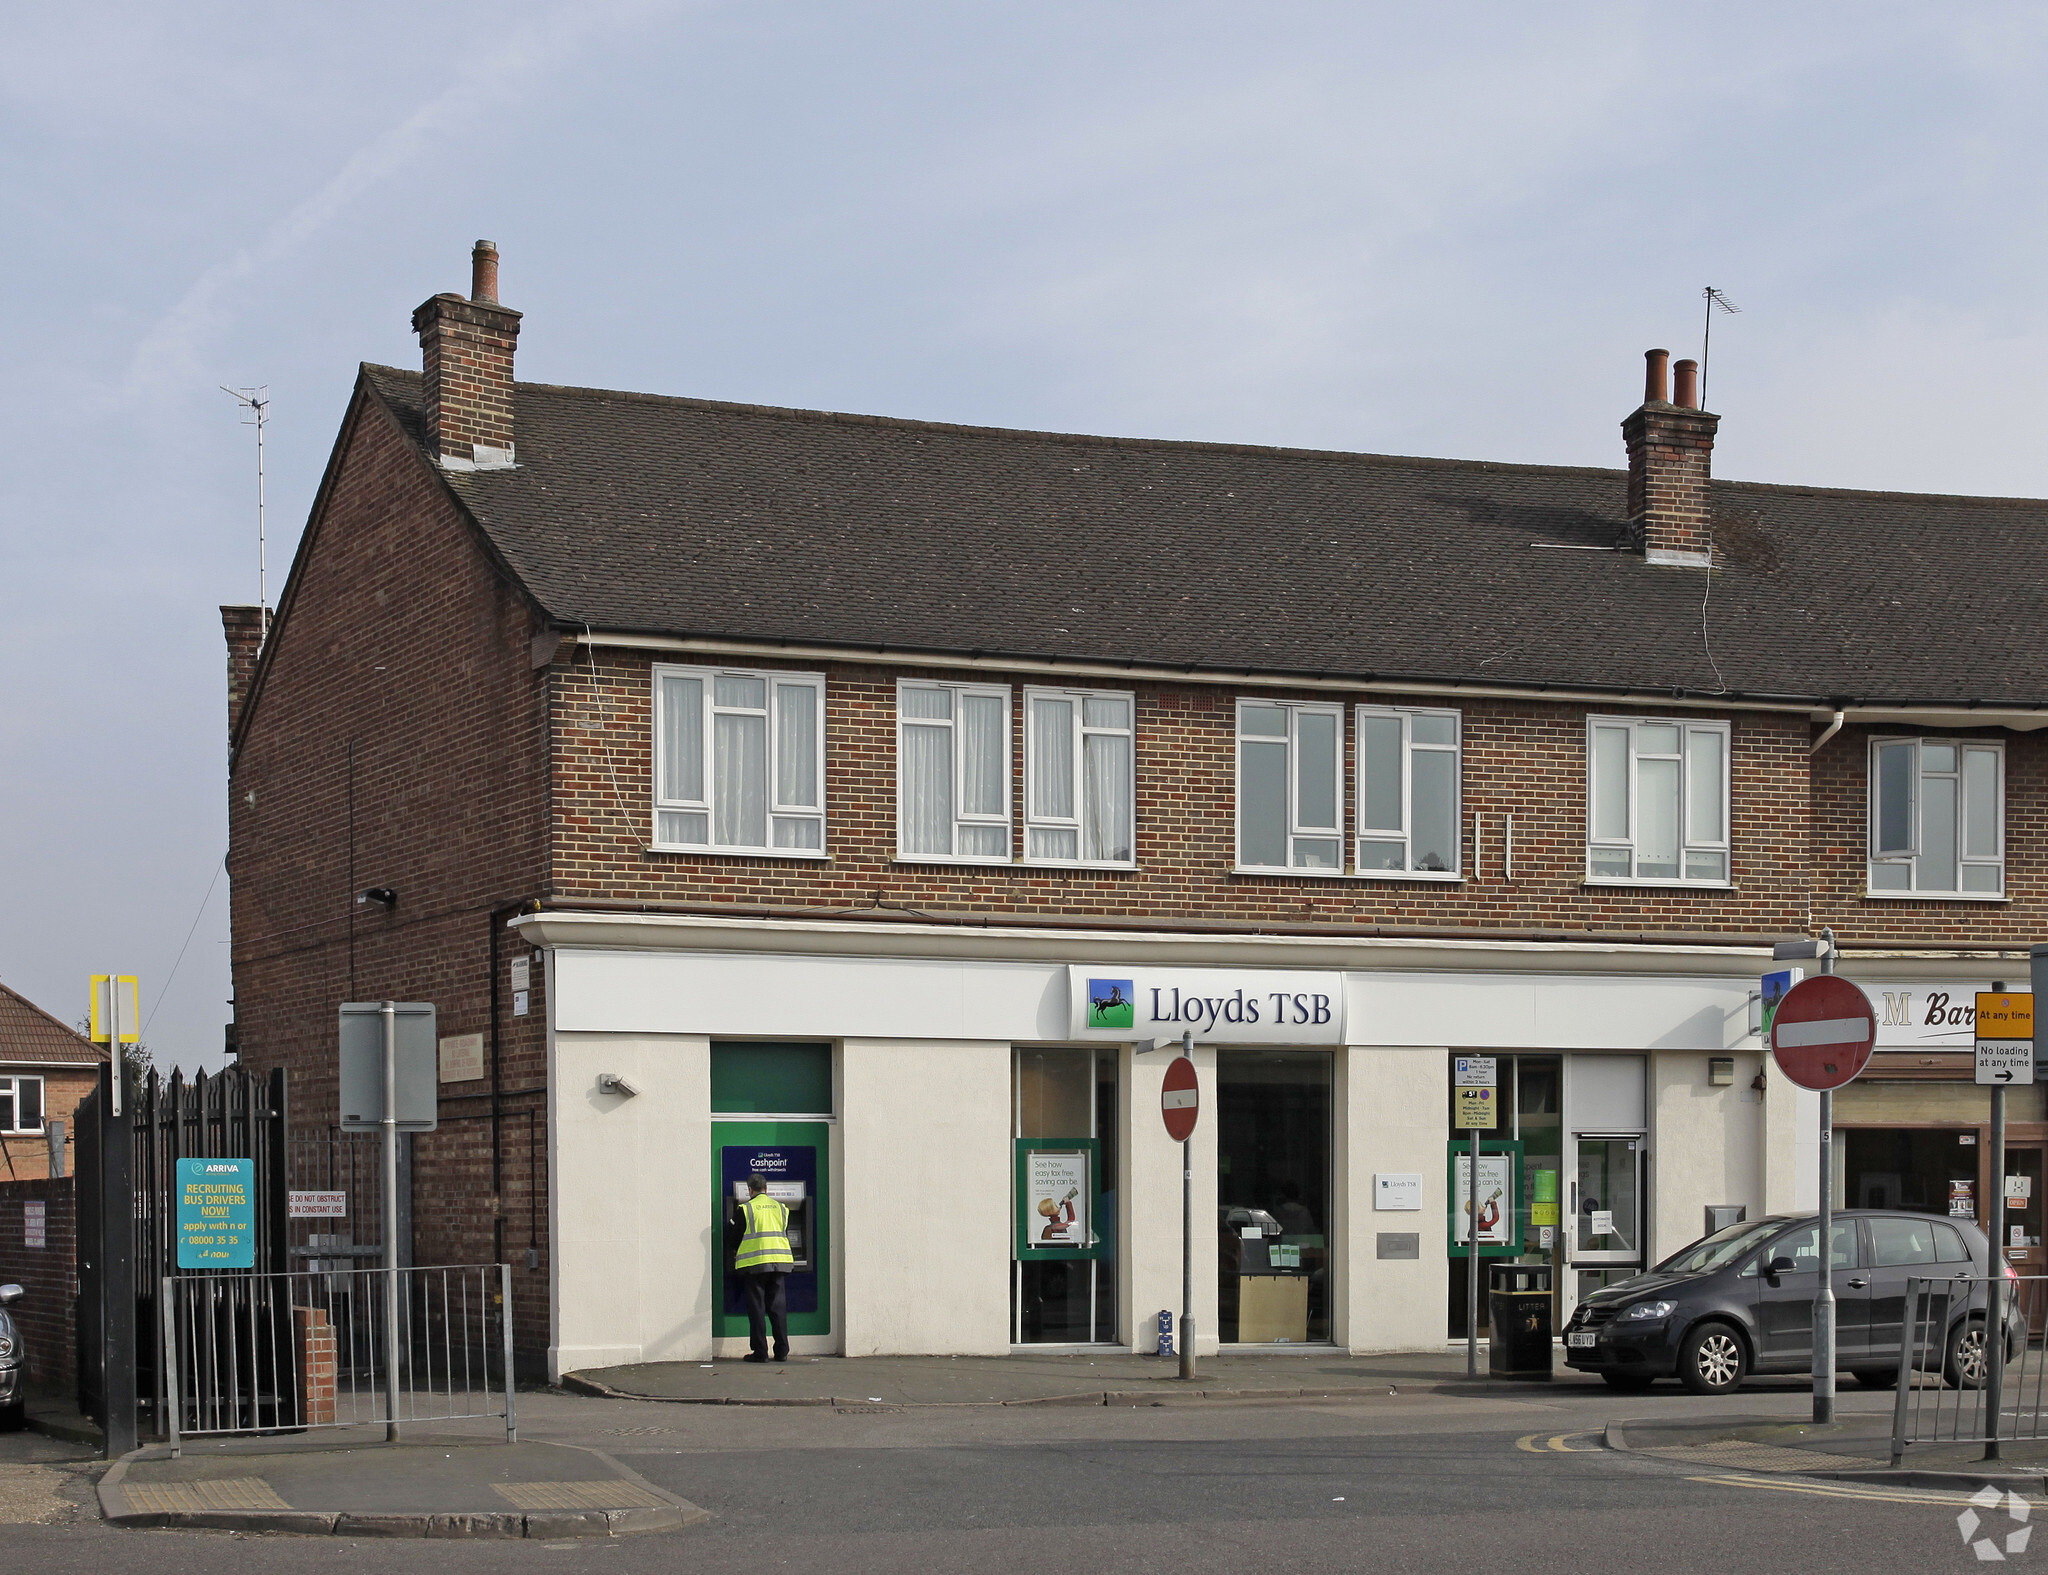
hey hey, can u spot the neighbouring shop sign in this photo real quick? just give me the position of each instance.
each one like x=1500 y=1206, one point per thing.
x=1219 y=1006
x=1925 y=1016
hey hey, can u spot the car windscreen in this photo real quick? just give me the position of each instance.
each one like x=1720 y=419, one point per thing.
x=1720 y=1249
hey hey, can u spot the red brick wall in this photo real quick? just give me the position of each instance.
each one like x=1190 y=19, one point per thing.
x=49 y=1276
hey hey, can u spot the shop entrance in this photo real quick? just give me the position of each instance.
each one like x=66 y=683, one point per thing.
x=1063 y=1269
x=1273 y=1195
x=772 y=1117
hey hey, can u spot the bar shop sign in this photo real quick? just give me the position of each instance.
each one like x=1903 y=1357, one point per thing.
x=1218 y=1006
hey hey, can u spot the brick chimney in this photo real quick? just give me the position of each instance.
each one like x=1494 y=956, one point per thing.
x=466 y=347
x=244 y=628
x=1670 y=453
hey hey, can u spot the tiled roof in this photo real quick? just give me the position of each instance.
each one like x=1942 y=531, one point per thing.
x=635 y=513
x=31 y=1036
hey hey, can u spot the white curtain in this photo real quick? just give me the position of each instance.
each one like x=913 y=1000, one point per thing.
x=927 y=768
x=796 y=745
x=1052 y=759
x=740 y=772
x=682 y=735
x=1106 y=762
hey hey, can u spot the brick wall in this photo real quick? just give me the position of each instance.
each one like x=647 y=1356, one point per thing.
x=48 y=1274
x=26 y=1156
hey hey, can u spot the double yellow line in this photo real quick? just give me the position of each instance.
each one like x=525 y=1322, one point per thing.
x=1859 y=1490
x=1557 y=1443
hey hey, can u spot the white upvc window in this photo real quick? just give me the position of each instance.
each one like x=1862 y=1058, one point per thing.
x=739 y=761
x=1290 y=786
x=952 y=773
x=21 y=1104
x=1408 y=791
x=1079 y=784
x=1657 y=801
x=1937 y=817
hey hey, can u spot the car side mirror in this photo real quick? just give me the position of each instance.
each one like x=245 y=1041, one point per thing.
x=10 y=1293
x=1781 y=1266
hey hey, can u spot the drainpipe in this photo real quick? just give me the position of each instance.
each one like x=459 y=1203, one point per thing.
x=1833 y=728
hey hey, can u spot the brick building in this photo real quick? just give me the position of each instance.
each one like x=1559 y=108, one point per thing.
x=853 y=799
x=45 y=1070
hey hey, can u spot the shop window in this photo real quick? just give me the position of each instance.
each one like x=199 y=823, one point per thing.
x=1273 y=1147
x=1080 y=794
x=1656 y=802
x=1290 y=784
x=1408 y=781
x=739 y=761
x=1063 y=1269
x=21 y=1104
x=953 y=773
x=1937 y=817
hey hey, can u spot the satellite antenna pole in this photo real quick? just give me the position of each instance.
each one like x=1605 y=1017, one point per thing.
x=1714 y=298
x=256 y=402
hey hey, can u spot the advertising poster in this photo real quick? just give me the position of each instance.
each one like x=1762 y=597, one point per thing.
x=216 y=1201
x=1057 y=1207
x=1496 y=1223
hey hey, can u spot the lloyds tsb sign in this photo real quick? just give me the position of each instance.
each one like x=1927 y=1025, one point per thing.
x=1250 y=1006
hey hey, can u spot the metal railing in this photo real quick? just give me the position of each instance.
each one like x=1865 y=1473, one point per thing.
x=1945 y=1378
x=278 y=1353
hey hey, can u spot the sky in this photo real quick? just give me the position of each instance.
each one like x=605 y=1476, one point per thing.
x=1415 y=230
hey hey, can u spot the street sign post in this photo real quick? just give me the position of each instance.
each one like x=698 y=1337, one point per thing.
x=1180 y=1106
x=1821 y=1036
x=2005 y=1057
x=2005 y=1040
x=1180 y=1099
x=1473 y=1077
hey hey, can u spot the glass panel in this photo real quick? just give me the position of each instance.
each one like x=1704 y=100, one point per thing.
x=682 y=722
x=1705 y=820
x=983 y=723
x=1657 y=822
x=926 y=702
x=740 y=766
x=1379 y=773
x=1105 y=711
x=1273 y=1196
x=796 y=746
x=28 y=1098
x=1937 y=757
x=1268 y=721
x=1262 y=808
x=927 y=788
x=1980 y=877
x=985 y=842
x=1070 y=1095
x=1657 y=738
x=1052 y=758
x=792 y=831
x=1382 y=856
x=1607 y=1217
x=1609 y=861
x=1055 y=844
x=1317 y=853
x=1316 y=738
x=1435 y=839
x=6 y=1107
x=737 y=689
x=674 y=826
x=1106 y=770
x=1894 y=819
x=1891 y=877
x=1706 y=866
x=1434 y=727
x=1937 y=834
x=1610 y=783
x=1980 y=803
x=1895 y=1241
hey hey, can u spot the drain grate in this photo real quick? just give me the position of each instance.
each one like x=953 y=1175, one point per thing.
x=637 y=1432
x=578 y=1495
x=227 y=1493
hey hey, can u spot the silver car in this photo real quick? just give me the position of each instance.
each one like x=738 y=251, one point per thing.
x=13 y=1374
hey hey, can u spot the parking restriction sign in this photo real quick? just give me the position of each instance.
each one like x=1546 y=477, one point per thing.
x=1478 y=1110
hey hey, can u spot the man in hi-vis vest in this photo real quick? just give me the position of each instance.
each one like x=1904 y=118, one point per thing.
x=763 y=1261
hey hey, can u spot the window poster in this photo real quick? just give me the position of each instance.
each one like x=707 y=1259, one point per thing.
x=1496 y=1176
x=1055 y=1199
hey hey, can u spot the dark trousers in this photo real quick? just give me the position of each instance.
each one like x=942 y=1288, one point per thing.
x=767 y=1303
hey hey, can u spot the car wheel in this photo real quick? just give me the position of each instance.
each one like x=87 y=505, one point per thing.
x=13 y=1418
x=1712 y=1360
x=1877 y=1377
x=1632 y=1382
x=1965 y=1366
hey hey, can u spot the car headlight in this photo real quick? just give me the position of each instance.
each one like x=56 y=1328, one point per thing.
x=1649 y=1310
x=6 y=1347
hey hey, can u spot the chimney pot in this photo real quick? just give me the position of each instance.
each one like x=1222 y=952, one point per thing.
x=1686 y=375
x=483 y=273
x=1654 y=363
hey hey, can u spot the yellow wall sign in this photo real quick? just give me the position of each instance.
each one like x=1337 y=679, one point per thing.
x=123 y=1004
x=2005 y=1016
x=1478 y=1109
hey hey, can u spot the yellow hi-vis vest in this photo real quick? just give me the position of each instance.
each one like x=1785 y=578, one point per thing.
x=766 y=1243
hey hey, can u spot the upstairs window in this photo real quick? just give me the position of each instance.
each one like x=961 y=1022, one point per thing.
x=953 y=773
x=739 y=761
x=21 y=1104
x=1657 y=809
x=1079 y=795
x=1290 y=784
x=1408 y=780
x=1937 y=817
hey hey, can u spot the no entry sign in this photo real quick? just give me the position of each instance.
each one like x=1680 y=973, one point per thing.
x=1180 y=1100
x=1822 y=1033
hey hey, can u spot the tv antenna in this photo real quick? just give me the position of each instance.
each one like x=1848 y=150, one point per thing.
x=255 y=403
x=1714 y=299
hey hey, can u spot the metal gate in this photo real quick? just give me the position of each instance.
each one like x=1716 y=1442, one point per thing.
x=1948 y=1390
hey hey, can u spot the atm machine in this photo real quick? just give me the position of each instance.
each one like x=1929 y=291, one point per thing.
x=792 y=1158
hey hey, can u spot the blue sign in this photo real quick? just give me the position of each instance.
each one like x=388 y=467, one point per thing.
x=216 y=1213
x=1776 y=987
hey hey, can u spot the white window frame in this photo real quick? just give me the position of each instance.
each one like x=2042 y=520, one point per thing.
x=12 y=1086
x=705 y=805
x=1296 y=831
x=1910 y=857
x=1409 y=749
x=1007 y=820
x=1687 y=843
x=1037 y=820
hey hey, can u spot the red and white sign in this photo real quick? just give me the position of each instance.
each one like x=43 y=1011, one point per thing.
x=316 y=1205
x=1823 y=1033
x=1180 y=1100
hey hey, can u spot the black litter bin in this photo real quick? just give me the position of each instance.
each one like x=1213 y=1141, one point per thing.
x=1518 y=1303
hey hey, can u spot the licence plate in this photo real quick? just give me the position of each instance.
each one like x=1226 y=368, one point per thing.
x=1580 y=1342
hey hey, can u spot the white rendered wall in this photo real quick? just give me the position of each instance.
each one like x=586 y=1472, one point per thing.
x=1149 y=1239
x=1791 y=1159
x=1706 y=1146
x=1392 y=1115
x=924 y=1210
x=629 y=1200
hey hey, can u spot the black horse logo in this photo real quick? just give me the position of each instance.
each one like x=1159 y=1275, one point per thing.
x=1109 y=1002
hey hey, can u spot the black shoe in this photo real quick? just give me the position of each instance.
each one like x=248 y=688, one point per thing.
x=782 y=1356
x=755 y=1356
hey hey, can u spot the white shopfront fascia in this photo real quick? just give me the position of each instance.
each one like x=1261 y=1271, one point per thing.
x=924 y=1018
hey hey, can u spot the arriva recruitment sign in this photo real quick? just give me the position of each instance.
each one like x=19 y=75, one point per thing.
x=1249 y=1006
x=216 y=1201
